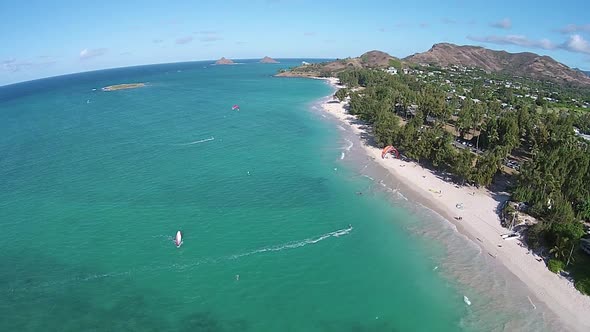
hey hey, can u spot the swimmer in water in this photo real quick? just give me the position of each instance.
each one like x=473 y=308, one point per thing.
x=237 y=277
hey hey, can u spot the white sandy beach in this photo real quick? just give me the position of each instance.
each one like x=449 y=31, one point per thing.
x=481 y=223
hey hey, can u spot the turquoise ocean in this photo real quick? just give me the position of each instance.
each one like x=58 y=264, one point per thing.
x=95 y=184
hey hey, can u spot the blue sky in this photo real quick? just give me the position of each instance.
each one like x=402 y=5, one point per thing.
x=47 y=38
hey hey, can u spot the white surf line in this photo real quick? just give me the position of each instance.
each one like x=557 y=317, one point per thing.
x=531 y=301
x=368 y=177
x=350 y=145
x=199 y=141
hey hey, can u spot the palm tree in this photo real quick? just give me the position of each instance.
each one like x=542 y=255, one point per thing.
x=562 y=249
x=558 y=252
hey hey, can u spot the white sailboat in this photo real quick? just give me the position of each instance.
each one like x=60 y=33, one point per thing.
x=178 y=239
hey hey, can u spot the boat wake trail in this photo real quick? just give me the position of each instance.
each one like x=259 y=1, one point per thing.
x=199 y=141
x=177 y=267
x=295 y=244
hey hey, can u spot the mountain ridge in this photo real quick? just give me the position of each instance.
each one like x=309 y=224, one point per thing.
x=525 y=64
x=371 y=59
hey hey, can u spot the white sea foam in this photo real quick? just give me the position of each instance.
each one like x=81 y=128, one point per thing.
x=466 y=300
x=401 y=195
x=368 y=177
x=342 y=155
x=350 y=144
x=341 y=128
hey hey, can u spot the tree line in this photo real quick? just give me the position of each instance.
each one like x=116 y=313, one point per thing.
x=423 y=122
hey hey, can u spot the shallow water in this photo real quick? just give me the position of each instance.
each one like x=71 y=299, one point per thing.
x=499 y=301
x=95 y=185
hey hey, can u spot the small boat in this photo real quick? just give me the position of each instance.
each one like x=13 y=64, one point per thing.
x=178 y=239
x=512 y=236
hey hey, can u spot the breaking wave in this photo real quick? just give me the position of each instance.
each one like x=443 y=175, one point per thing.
x=350 y=144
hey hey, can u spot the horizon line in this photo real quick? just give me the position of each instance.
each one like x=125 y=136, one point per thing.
x=154 y=64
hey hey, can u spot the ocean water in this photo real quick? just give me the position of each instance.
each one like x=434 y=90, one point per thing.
x=95 y=185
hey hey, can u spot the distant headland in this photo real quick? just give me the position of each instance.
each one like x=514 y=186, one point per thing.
x=224 y=61
x=123 y=86
x=267 y=59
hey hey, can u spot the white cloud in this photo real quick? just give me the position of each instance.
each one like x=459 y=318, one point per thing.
x=91 y=53
x=9 y=65
x=210 y=38
x=13 y=65
x=184 y=40
x=209 y=35
x=570 y=28
x=206 y=32
x=576 y=44
x=518 y=40
x=503 y=24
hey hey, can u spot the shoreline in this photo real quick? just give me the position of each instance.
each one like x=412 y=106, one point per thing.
x=480 y=223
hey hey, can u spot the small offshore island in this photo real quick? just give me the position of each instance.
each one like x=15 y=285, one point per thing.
x=267 y=59
x=224 y=61
x=123 y=86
